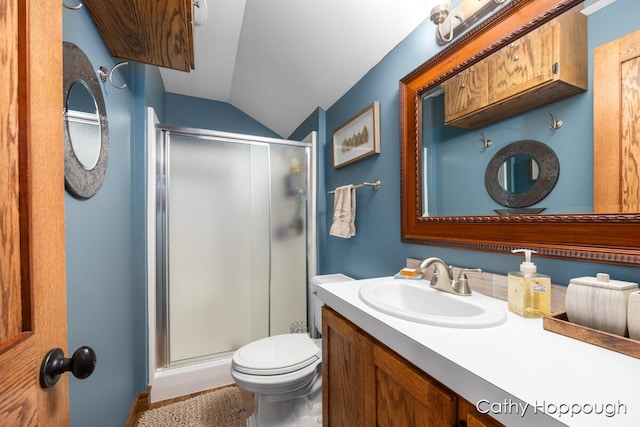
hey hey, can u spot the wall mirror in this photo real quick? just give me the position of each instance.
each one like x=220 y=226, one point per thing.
x=569 y=234
x=521 y=174
x=86 y=134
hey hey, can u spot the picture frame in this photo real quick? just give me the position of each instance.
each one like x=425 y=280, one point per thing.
x=358 y=138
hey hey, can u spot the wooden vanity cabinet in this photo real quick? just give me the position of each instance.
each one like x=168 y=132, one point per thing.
x=364 y=383
x=156 y=32
x=543 y=66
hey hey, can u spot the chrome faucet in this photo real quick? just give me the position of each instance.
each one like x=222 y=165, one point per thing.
x=443 y=280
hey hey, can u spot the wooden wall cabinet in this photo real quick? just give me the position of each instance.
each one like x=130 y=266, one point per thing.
x=364 y=383
x=466 y=92
x=543 y=66
x=156 y=32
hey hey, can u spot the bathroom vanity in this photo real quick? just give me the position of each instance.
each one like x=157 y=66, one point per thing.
x=367 y=383
x=379 y=369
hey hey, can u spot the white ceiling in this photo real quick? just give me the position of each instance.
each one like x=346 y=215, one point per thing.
x=278 y=60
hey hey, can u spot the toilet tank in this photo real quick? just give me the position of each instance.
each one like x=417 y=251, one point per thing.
x=315 y=305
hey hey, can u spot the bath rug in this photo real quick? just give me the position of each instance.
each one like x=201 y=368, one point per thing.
x=219 y=408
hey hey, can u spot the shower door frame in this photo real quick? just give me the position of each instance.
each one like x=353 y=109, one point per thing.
x=158 y=165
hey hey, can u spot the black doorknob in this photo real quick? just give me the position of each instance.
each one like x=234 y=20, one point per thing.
x=54 y=364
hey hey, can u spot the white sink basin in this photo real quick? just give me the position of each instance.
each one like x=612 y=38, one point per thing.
x=417 y=302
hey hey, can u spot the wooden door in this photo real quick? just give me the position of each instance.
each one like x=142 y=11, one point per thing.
x=616 y=126
x=32 y=258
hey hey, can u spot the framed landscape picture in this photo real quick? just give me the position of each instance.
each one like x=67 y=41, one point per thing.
x=358 y=138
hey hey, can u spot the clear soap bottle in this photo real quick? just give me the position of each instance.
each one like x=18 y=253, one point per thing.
x=528 y=292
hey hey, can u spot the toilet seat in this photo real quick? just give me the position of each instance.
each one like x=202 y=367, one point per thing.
x=276 y=355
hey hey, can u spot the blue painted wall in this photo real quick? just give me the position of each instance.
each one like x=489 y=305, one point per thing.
x=376 y=249
x=201 y=113
x=462 y=161
x=101 y=287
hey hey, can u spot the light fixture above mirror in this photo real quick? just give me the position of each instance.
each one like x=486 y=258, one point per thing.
x=451 y=22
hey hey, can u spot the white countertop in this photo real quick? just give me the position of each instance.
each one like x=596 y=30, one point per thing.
x=510 y=370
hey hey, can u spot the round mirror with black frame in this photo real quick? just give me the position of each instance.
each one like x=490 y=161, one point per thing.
x=520 y=175
x=86 y=133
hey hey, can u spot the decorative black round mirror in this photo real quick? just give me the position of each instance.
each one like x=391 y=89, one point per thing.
x=86 y=134
x=521 y=174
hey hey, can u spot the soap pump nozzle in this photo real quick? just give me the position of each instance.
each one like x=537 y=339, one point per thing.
x=527 y=267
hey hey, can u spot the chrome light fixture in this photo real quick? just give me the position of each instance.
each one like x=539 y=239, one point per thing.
x=451 y=23
x=439 y=14
x=199 y=12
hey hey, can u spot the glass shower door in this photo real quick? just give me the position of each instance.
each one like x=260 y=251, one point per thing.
x=288 y=277
x=217 y=245
x=231 y=242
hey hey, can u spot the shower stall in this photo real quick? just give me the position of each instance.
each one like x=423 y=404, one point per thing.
x=231 y=250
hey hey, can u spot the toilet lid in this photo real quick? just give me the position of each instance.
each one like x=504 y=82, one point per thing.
x=279 y=354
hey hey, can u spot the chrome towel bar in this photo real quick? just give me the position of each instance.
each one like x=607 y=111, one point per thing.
x=375 y=184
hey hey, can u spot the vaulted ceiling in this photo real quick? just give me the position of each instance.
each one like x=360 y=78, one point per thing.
x=278 y=60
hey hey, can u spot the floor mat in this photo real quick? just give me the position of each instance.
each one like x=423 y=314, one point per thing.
x=219 y=408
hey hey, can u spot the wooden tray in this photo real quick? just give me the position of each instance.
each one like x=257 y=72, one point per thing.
x=559 y=323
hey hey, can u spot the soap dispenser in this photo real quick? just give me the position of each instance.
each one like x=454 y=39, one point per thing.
x=528 y=292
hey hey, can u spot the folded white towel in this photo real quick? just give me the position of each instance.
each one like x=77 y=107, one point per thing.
x=344 y=212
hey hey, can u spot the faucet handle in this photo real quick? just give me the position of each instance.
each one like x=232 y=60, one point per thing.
x=463 y=272
x=461 y=284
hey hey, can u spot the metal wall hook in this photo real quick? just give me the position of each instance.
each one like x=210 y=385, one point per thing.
x=104 y=74
x=76 y=7
x=555 y=123
x=486 y=143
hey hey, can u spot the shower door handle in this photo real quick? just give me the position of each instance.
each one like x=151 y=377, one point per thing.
x=54 y=364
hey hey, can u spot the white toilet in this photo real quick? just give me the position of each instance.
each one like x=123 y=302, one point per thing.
x=284 y=372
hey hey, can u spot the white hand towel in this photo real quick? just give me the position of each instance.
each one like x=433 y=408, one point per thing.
x=344 y=212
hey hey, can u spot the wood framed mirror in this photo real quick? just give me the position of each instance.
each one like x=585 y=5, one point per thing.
x=605 y=238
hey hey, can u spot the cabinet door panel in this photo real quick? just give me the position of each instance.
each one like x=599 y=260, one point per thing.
x=466 y=92
x=343 y=372
x=468 y=414
x=406 y=397
x=524 y=64
x=156 y=32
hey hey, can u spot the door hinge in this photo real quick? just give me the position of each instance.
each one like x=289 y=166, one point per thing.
x=554 y=68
